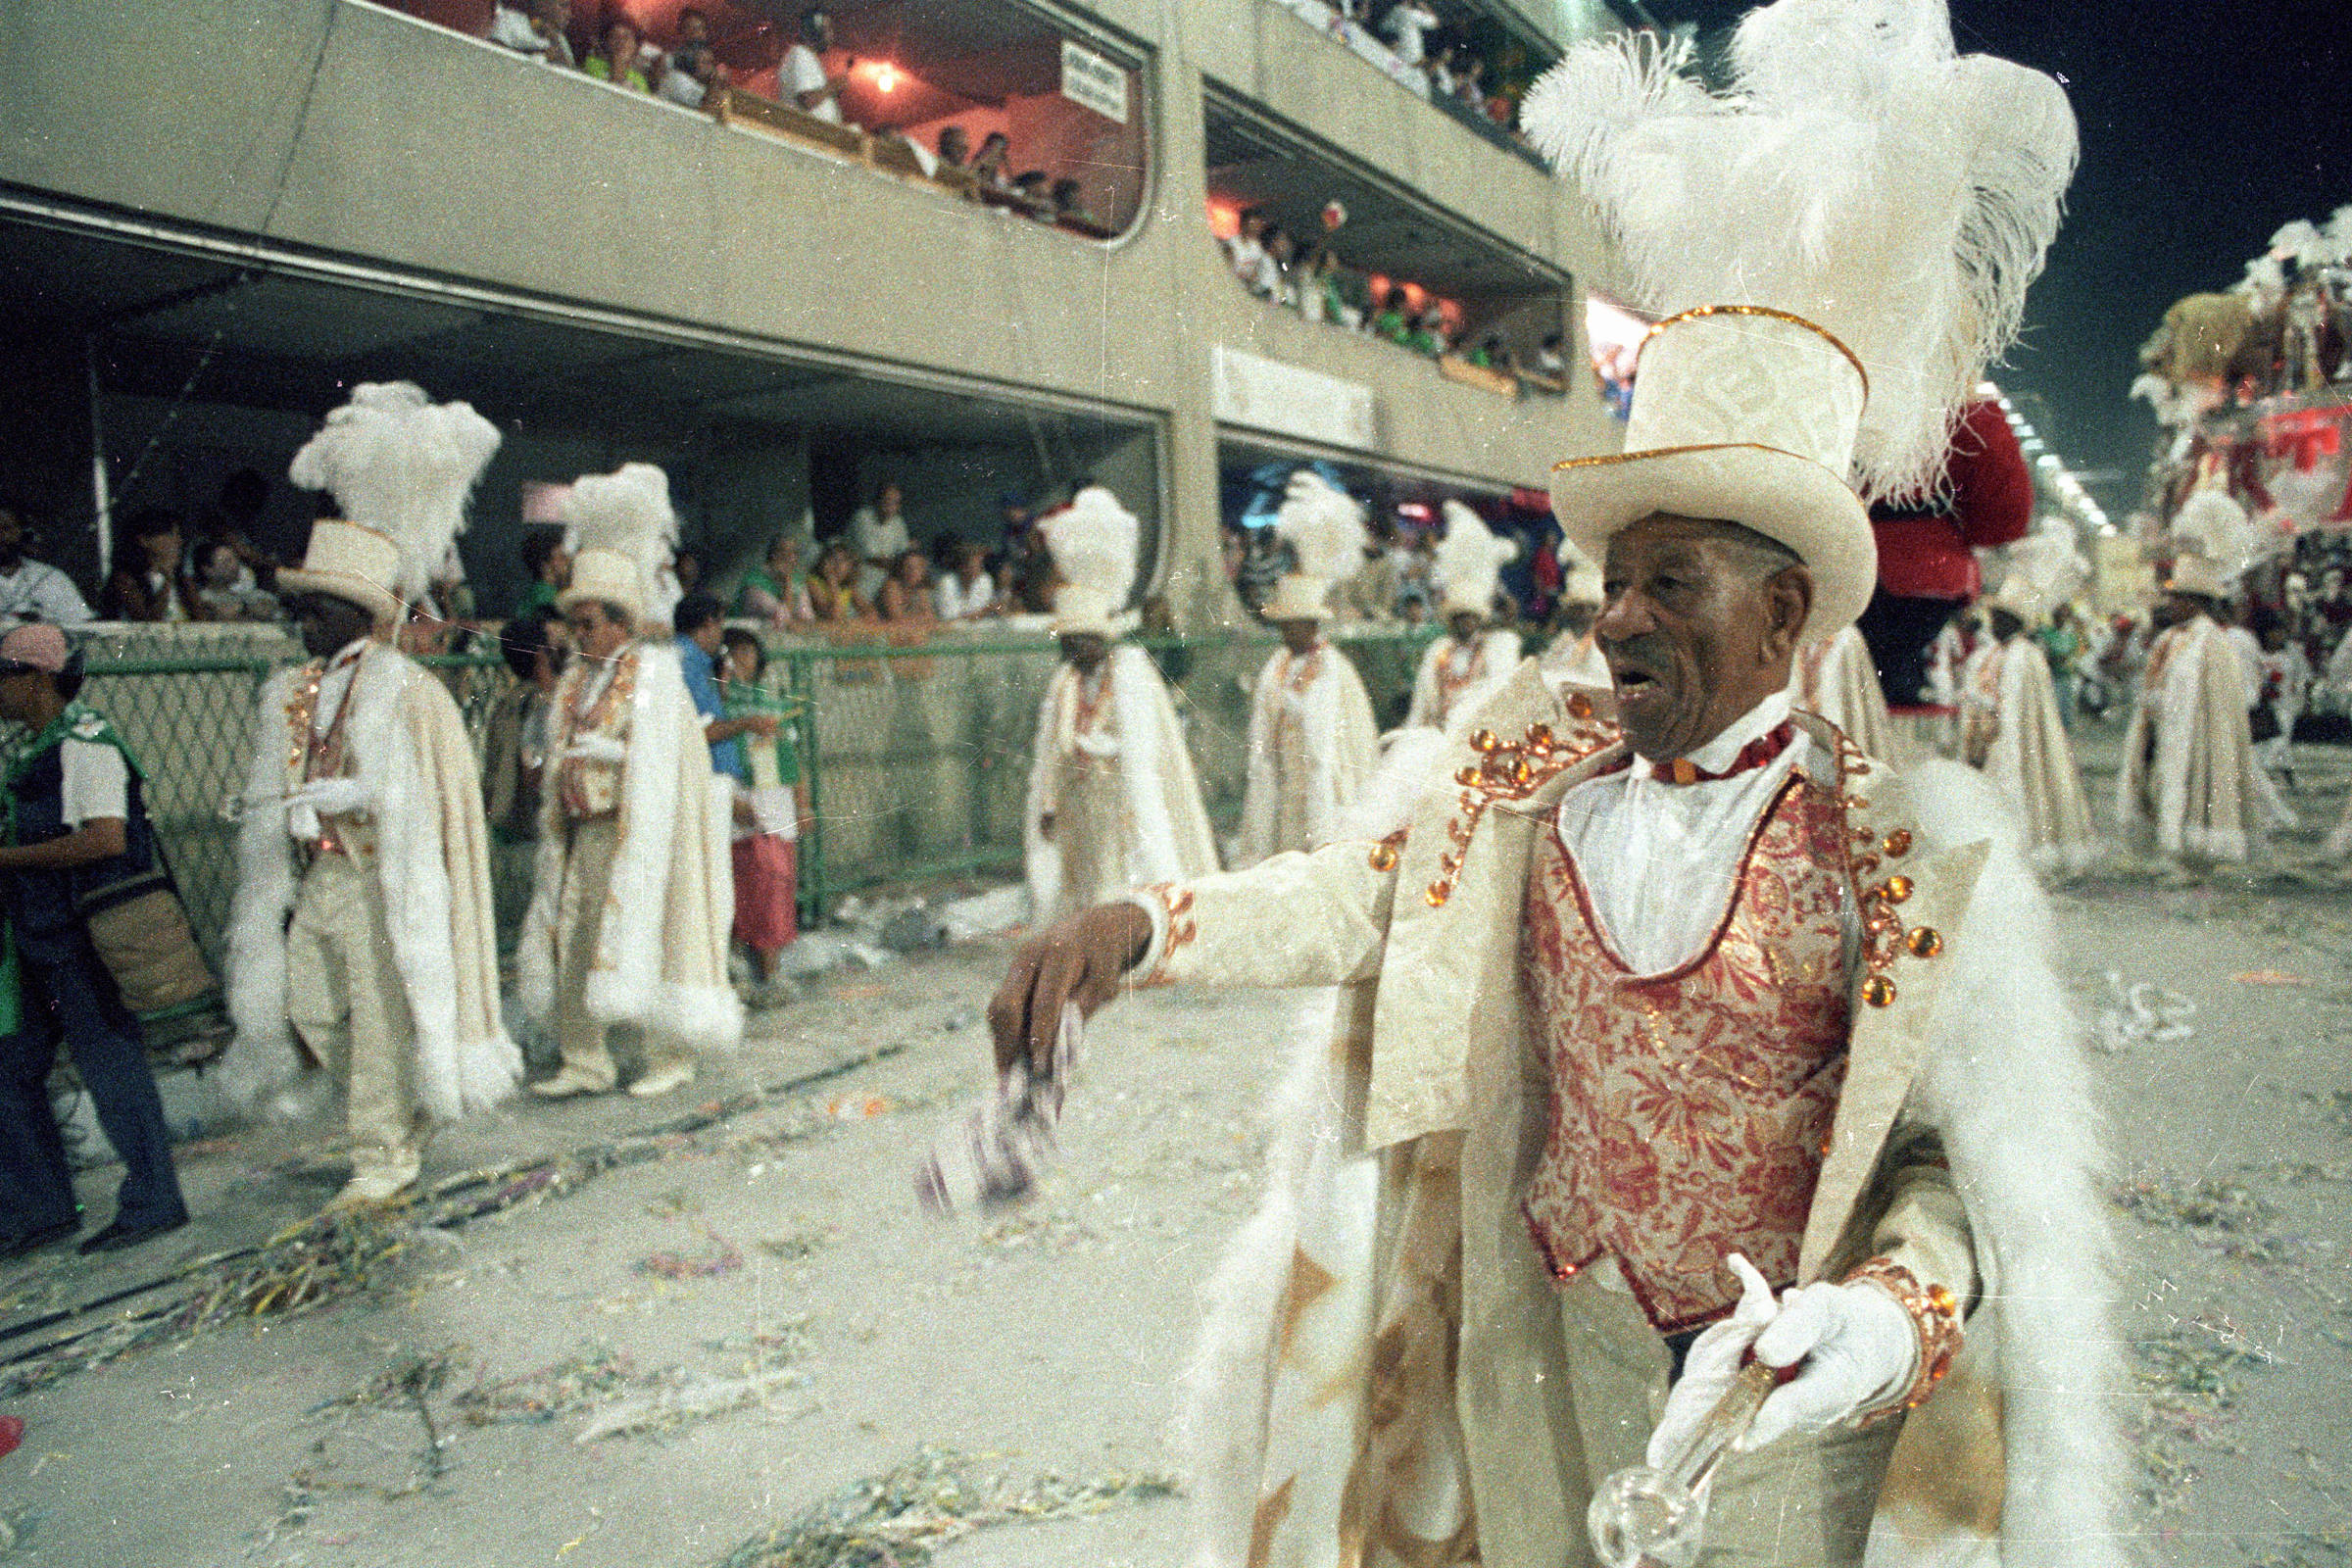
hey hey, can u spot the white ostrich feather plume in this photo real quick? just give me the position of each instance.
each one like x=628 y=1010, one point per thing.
x=1093 y=540
x=1861 y=174
x=1324 y=524
x=626 y=510
x=401 y=464
x=1469 y=558
x=2338 y=236
x=2045 y=568
x=2300 y=241
x=2213 y=523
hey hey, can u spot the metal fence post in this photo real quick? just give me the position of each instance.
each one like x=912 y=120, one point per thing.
x=799 y=677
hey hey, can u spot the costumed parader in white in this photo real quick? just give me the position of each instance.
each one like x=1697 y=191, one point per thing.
x=635 y=898
x=1312 y=739
x=1113 y=802
x=1835 y=678
x=1709 y=1034
x=361 y=925
x=1574 y=659
x=2009 y=724
x=1470 y=664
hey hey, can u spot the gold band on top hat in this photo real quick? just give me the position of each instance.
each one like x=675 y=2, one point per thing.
x=1698 y=311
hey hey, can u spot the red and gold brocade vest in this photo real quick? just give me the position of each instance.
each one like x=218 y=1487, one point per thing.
x=1689 y=1109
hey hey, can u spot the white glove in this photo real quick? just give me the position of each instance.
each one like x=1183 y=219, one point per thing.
x=1712 y=1365
x=598 y=747
x=333 y=797
x=1858 y=1345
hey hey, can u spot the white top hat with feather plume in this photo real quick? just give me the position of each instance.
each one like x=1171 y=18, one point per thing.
x=624 y=530
x=2213 y=524
x=2044 y=572
x=1093 y=541
x=1469 y=562
x=1837 y=248
x=1325 y=526
x=400 y=466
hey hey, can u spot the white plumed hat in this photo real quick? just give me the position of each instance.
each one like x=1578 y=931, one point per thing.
x=1093 y=541
x=400 y=468
x=1838 y=247
x=1325 y=527
x=625 y=529
x=1469 y=562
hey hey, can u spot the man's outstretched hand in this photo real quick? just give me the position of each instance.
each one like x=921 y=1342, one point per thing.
x=1080 y=959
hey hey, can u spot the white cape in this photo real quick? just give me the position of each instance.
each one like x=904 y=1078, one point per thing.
x=1338 y=743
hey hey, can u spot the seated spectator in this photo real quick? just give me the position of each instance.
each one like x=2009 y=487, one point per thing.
x=802 y=75
x=234 y=518
x=616 y=57
x=906 y=591
x=1430 y=335
x=1030 y=577
x=1548 y=360
x=224 y=589
x=550 y=565
x=1276 y=278
x=686 y=568
x=775 y=591
x=1407 y=27
x=1035 y=193
x=689 y=74
x=954 y=147
x=987 y=163
x=967 y=590
x=1491 y=354
x=1069 y=205
x=540 y=29
x=33 y=590
x=1395 y=321
x=1440 y=67
x=772 y=802
x=147 y=585
x=833 y=586
x=1470 y=81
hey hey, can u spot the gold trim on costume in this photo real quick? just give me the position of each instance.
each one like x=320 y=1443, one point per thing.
x=1699 y=310
x=1696 y=446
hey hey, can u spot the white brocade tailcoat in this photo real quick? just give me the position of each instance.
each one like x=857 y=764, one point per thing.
x=2188 y=770
x=406 y=744
x=1312 y=748
x=661 y=947
x=1963 y=1145
x=2014 y=734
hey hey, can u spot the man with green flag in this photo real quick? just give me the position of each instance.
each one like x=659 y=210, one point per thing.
x=77 y=828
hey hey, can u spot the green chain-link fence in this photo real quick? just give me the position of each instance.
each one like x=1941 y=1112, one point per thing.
x=916 y=757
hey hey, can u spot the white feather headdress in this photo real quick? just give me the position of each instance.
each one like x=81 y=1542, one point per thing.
x=400 y=464
x=1324 y=524
x=1093 y=541
x=2045 y=570
x=1861 y=174
x=628 y=513
x=1469 y=558
x=2214 y=524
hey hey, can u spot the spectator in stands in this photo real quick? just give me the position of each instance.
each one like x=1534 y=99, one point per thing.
x=1440 y=70
x=616 y=57
x=987 y=163
x=967 y=590
x=1029 y=573
x=1470 y=81
x=1069 y=205
x=701 y=629
x=686 y=567
x=33 y=590
x=1491 y=355
x=541 y=29
x=1550 y=358
x=1395 y=321
x=1277 y=278
x=1431 y=335
x=805 y=84
x=906 y=592
x=689 y=74
x=147 y=586
x=833 y=587
x=878 y=533
x=776 y=591
x=954 y=147
x=223 y=587
x=1036 y=193
x=1246 y=250
x=550 y=565
x=235 y=518
x=1407 y=27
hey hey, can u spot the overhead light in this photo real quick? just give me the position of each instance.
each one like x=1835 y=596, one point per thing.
x=886 y=77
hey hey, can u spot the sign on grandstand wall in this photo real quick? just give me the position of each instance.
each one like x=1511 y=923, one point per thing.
x=1094 y=82
x=1268 y=395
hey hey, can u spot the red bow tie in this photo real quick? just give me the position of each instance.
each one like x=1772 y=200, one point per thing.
x=1754 y=755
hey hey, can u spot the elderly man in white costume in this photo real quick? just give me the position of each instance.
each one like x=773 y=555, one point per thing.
x=1312 y=739
x=362 y=923
x=2009 y=724
x=1710 y=1035
x=1470 y=664
x=1113 y=802
x=635 y=898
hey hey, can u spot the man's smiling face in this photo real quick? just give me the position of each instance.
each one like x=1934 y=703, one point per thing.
x=1700 y=625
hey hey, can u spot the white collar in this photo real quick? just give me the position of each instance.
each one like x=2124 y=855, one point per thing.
x=1724 y=749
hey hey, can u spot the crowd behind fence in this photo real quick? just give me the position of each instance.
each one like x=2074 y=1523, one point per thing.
x=916 y=757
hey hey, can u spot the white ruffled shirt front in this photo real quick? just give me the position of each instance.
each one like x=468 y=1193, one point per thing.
x=1660 y=858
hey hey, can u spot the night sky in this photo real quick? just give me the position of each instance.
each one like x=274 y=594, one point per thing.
x=2205 y=127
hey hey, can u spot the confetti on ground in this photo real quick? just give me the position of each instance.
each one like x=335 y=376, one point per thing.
x=2269 y=977
x=859 y=1107
x=2189 y=1374
x=2167 y=1204
x=723 y=1258
x=898 y=1520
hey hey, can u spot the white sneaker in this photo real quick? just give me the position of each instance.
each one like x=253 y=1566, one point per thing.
x=568 y=1082
x=661 y=1080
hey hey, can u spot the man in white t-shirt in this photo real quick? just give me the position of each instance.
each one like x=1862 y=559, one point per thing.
x=1405 y=26
x=33 y=590
x=964 y=589
x=806 y=85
